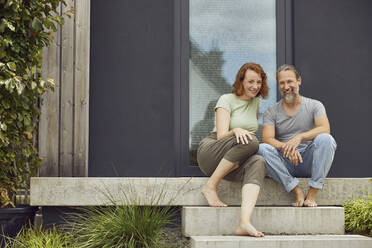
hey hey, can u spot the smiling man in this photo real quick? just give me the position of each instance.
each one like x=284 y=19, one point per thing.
x=296 y=139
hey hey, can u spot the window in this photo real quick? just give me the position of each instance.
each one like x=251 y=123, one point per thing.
x=225 y=34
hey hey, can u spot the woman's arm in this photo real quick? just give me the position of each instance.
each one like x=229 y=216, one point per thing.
x=223 y=124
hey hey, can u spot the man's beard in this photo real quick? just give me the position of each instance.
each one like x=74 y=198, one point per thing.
x=290 y=98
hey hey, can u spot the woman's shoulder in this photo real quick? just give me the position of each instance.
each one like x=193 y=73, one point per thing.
x=228 y=96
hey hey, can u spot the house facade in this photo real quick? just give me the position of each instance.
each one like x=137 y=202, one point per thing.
x=132 y=98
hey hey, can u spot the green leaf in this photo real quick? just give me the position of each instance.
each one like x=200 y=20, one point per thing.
x=5 y=23
x=12 y=66
x=2 y=25
x=36 y=24
x=3 y=126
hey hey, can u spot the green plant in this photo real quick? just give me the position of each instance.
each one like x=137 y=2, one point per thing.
x=25 y=28
x=123 y=224
x=38 y=237
x=358 y=215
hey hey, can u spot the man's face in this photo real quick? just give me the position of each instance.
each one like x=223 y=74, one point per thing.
x=289 y=85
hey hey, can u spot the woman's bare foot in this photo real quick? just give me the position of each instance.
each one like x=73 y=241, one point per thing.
x=300 y=197
x=310 y=198
x=248 y=229
x=211 y=196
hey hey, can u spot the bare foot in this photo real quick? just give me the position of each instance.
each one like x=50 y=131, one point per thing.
x=310 y=198
x=310 y=203
x=212 y=197
x=248 y=229
x=300 y=197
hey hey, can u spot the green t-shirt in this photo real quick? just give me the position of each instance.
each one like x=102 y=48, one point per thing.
x=243 y=113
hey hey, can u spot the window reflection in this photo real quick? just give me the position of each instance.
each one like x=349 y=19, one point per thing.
x=224 y=34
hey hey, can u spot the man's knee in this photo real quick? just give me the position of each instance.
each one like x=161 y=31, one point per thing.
x=265 y=149
x=325 y=139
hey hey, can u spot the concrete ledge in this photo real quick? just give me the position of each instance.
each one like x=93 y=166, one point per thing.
x=87 y=191
x=318 y=241
x=270 y=220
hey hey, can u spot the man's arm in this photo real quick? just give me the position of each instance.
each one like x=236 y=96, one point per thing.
x=321 y=124
x=268 y=137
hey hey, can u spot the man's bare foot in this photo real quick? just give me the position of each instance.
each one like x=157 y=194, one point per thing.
x=310 y=198
x=211 y=196
x=248 y=230
x=310 y=203
x=300 y=197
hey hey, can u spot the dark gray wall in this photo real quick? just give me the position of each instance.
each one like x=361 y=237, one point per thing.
x=333 y=50
x=139 y=81
x=131 y=88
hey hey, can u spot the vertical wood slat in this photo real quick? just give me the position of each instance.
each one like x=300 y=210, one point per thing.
x=82 y=49
x=49 y=111
x=64 y=123
x=67 y=94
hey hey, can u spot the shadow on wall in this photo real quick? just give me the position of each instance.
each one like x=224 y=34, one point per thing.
x=200 y=130
x=207 y=84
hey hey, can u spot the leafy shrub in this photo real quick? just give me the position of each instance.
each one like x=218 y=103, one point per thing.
x=25 y=28
x=358 y=215
x=40 y=238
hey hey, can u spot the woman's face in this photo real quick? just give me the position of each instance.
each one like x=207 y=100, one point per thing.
x=252 y=83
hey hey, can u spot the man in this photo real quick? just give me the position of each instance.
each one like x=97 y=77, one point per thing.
x=296 y=139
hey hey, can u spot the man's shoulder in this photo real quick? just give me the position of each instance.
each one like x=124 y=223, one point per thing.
x=310 y=101
x=274 y=108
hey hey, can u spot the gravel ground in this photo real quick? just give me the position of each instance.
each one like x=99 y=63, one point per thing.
x=175 y=238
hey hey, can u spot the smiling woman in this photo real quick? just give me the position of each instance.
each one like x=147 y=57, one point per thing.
x=224 y=35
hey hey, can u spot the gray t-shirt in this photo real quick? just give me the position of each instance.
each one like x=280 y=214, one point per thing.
x=286 y=127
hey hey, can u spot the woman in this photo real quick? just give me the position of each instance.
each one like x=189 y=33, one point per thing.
x=229 y=151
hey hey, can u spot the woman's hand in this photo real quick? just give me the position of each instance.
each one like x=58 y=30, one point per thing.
x=242 y=136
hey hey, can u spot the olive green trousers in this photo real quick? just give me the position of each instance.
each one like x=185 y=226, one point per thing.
x=252 y=167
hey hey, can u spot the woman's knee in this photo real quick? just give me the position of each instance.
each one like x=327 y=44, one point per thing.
x=255 y=165
x=251 y=147
x=258 y=163
x=255 y=170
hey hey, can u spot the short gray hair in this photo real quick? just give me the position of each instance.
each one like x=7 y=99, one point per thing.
x=287 y=67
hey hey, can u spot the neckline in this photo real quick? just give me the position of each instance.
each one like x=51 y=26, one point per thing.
x=298 y=110
x=246 y=101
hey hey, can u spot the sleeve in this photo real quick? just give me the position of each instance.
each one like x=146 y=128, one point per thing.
x=268 y=118
x=224 y=103
x=258 y=104
x=318 y=109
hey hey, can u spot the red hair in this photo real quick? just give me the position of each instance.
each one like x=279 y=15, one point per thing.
x=238 y=88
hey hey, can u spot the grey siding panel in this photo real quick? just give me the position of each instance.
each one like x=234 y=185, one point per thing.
x=332 y=42
x=132 y=106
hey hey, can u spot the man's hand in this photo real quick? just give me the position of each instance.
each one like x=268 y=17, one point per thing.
x=290 y=146
x=295 y=157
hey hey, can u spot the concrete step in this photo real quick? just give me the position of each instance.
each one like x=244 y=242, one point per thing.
x=180 y=191
x=205 y=221
x=297 y=241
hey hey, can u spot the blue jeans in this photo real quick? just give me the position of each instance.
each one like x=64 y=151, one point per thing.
x=317 y=160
